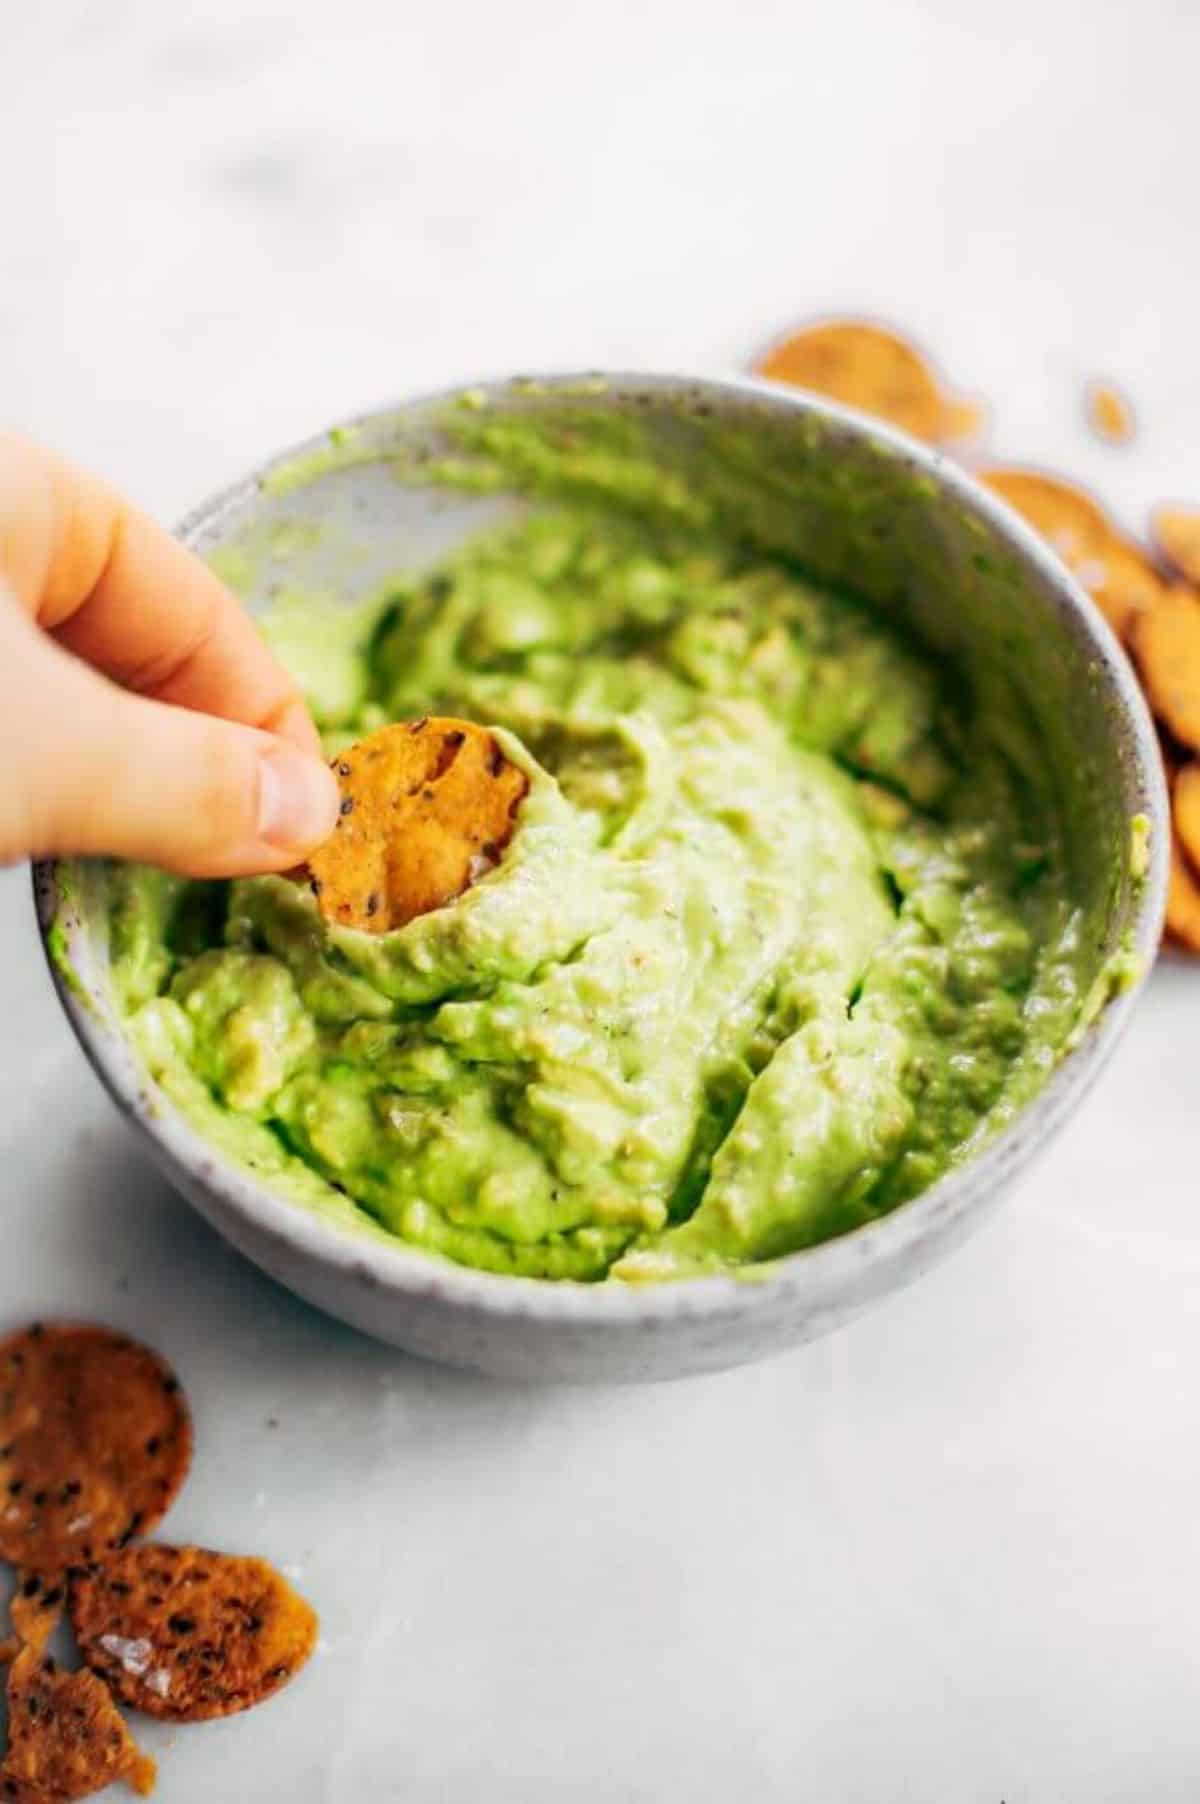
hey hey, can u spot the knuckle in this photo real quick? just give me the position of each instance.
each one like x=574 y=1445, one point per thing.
x=224 y=805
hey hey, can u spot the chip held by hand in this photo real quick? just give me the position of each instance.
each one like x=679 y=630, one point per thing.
x=427 y=809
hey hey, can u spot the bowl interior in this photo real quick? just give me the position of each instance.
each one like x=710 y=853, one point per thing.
x=854 y=504
x=860 y=508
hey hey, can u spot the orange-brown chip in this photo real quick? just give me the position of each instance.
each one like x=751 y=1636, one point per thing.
x=1185 y=808
x=1183 y=900
x=1108 y=413
x=1177 y=535
x=427 y=808
x=66 y=1738
x=865 y=366
x=37 y=1604
x=1166 y=644
x=1068 y=517
x=1170 y=761
x=95 y=1441
x=1128 y=586
x=1115 y=573
x=186 y=1634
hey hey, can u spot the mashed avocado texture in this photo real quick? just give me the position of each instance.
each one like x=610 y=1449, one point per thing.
x=781 y=932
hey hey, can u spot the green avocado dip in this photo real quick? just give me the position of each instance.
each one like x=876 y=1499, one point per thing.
x=782 y=932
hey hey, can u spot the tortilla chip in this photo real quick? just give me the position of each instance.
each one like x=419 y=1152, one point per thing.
x=1185 y=809
x=37 y=1604
x=1119 y=578
x=1177 y=535
x=1129 y=585
x=865 y=366
x=66 y=1738
x=1166 y=644
x=1108 y=413
x=1073 y=523
x=427 y=808
x=186 y=1634
x=95 y=1441
x=1183 y=900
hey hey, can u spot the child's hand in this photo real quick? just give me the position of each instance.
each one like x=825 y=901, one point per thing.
x=184 y=744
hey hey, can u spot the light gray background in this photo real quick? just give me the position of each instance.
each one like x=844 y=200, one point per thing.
x=952 y=1554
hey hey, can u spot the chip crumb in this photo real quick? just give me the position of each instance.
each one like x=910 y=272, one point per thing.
x=188 y=1634
x=1176 y=533
x=1109 y=414
x=427 y=807
x=66 y=1738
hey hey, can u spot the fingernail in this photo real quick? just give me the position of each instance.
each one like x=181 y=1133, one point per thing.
x=297 y=800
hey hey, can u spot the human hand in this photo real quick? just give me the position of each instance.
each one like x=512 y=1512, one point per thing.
x=141 y=715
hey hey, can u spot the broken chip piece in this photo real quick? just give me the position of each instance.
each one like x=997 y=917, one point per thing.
x=867 y=366
x=186 y=1634
x=66 y=1738
x=35 y=1609
x=427 y=808
x=95 y=1442
x=1177 y=534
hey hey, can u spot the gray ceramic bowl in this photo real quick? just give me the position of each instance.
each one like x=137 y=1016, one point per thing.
x=854 y=501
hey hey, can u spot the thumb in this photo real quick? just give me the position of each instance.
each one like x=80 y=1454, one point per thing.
x=93 y=770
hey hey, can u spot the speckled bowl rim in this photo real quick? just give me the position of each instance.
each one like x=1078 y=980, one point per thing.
x=816 y=1274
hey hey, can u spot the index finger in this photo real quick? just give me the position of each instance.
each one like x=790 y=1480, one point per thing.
x=122 y=594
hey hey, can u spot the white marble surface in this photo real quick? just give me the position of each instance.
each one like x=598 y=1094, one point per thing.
x=952 y=1554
